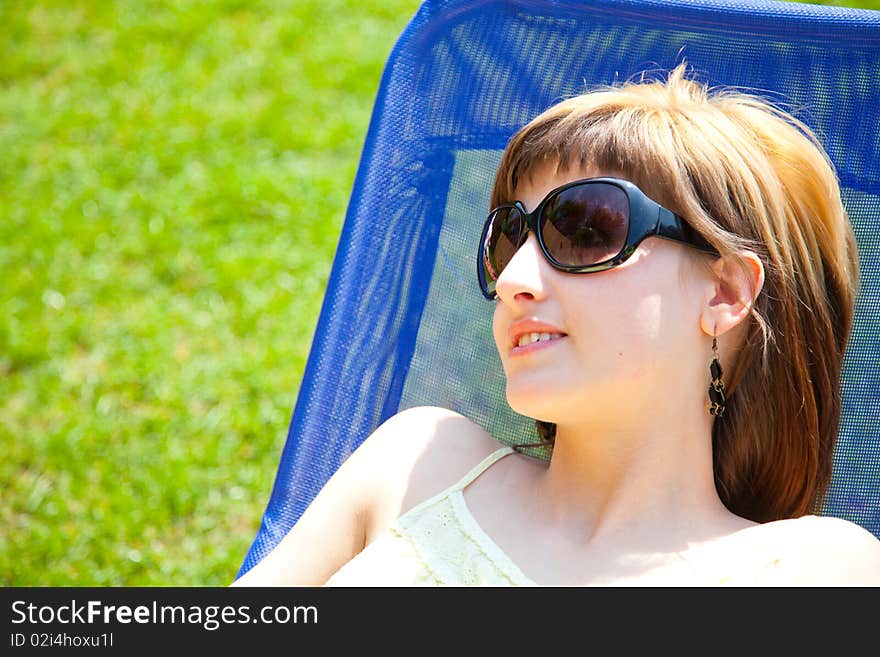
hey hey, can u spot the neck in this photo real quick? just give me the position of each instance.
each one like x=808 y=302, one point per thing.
x=631 y=479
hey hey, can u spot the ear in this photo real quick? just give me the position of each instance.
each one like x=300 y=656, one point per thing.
x=732 y=293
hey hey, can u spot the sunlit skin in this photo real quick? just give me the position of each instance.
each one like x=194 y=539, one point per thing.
x=627 y=388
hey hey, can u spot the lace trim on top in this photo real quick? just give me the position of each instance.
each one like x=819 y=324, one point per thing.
x=451 y=542
x=436 y=542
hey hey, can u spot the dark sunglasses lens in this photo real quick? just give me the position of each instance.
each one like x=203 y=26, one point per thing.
x=505 y=234
x=586 y=224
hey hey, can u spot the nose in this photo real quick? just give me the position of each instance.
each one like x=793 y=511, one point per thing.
x=525 y=273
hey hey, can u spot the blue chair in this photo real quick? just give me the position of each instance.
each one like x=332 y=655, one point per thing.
x=403 y=322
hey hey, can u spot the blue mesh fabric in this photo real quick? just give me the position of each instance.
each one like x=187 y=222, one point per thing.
x=403 y=322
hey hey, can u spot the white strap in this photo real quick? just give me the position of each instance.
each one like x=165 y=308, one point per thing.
x=478 y=469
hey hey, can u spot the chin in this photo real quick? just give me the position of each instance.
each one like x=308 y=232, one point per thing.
x=554 y=397
x=532 y=406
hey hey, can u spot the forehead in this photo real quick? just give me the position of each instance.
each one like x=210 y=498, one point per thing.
x=545 y=177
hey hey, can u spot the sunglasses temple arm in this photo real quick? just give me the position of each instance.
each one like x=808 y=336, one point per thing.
x=672 y=226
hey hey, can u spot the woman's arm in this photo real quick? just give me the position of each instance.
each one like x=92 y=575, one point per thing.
x=367 y=492
x=328 y=534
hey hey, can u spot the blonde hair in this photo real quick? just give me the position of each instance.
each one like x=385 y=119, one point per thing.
x=745 y=175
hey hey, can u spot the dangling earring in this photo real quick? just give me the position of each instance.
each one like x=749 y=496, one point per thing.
x=716 y=386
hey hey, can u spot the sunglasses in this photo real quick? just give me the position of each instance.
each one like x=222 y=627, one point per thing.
x=582 y=227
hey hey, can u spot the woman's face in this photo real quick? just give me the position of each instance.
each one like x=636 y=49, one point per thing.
x=632 y=332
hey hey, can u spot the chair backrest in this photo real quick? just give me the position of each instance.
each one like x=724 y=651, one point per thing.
x=403 y=322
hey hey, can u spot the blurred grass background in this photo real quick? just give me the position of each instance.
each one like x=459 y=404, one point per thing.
x=173 y=181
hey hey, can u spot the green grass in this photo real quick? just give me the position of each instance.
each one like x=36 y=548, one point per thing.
x=173 y=181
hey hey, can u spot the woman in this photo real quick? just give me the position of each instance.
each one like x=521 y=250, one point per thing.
x=611 y=330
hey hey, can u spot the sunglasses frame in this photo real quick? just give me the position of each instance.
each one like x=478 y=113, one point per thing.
x=647 y=218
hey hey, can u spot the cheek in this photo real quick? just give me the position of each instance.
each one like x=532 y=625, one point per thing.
x=648 y=319
x=623 y=324
x=499 y=329
x=640 y=337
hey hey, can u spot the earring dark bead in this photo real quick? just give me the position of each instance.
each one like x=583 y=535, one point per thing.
x=715 y=370
x=717 y=400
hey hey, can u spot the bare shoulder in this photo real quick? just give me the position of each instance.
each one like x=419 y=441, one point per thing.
x=420 y=451
x=406 y=458
x=827 y=551
x=439 y=435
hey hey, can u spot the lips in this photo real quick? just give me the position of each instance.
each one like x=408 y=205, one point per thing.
x=529 y=325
